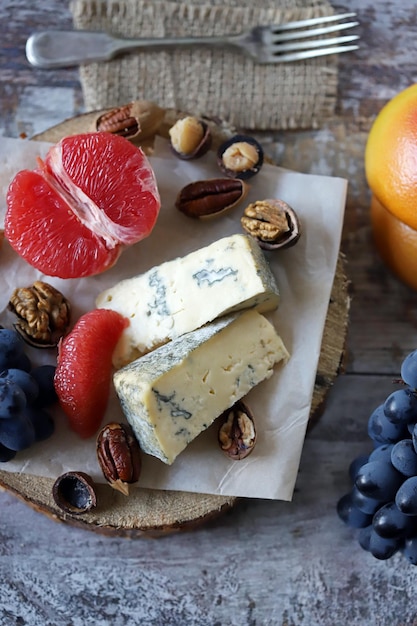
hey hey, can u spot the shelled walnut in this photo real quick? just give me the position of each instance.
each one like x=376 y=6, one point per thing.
x=237 y=433
x=272 y=222
x=43 y=314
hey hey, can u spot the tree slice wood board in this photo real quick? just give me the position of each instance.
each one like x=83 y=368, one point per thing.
x=153 y=513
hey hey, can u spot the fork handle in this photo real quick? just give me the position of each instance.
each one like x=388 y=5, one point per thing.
x=53 y=49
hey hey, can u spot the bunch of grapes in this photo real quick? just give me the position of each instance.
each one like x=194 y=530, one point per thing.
x=25 y=392
x=382 y=503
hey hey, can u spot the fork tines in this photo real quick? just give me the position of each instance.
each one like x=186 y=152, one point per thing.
x=286 y=44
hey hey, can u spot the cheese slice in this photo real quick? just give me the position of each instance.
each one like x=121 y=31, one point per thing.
x=181 y=295
x=172 y=394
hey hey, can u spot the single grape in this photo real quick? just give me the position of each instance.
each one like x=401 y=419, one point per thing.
x=350 y=514
x=404 y=457
x=42 y=421
x=44 y=376
x=6 y=454
x=24 y=380
x=365 y=504
x=409 y=369
x=382 y=430
x=379 y=480
x=383 y=548
x=406 y=498
x=382 y=453
x=12 y=399
x=17 y=433
x=401 y=406
x=356 y=464
x=11 y=347
x=390 y=522
x=410 y=550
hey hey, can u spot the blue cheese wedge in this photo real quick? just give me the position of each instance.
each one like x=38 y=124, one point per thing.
x=170 y=395
x=181 y=295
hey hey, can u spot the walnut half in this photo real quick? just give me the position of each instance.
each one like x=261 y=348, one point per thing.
x=43 y=314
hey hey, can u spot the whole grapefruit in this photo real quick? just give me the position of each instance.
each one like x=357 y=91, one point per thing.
x=391 y=173
x=94 y=194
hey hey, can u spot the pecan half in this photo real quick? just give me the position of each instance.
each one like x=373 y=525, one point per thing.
x=138 y=119
x=43 y=314
x=237 y=433
x=207 y=198
x=272 y=222
x=119 y=456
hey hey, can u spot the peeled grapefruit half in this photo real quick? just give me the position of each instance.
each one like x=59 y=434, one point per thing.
x=92 y=195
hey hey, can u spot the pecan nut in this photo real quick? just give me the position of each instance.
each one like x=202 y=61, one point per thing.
x=119 y=456
x=272 y=222
x=138 y=119
x=237 y=433
x=207 y=198
x=43 y=314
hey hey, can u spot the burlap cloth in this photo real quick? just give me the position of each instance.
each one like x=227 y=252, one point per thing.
x=215 y=82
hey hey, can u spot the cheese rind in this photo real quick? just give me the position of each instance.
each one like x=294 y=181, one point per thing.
x=172 y=394
x=181 y=295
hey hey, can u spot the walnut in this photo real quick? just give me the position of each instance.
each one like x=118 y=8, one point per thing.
x=43 y=314
x=237 y=433
x=273 y=223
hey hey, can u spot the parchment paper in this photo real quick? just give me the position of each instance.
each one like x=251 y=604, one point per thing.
x=281 y=405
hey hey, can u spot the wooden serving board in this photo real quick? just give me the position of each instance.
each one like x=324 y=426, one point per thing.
x=148 y=512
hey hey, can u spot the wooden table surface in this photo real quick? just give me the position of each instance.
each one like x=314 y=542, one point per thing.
x=262 y=563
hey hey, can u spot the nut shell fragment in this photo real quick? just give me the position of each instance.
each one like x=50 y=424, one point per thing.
x=208 y=198
x=119 y=456
x=237 y=433
x=74 y=492
x=272 y=222
x=240 y=157
x=43 y=314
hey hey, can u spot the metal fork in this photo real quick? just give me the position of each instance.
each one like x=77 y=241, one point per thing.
x=280 y=43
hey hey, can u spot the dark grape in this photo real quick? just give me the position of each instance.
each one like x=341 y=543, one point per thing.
x=350 y=514
x=6 y=454
x=42 y=421
x=410 y=550
x=356 y=464
x=404 y=458
x=401 y=406
x=391 y=523
x=12 y=399
x=379 y=480
x=11 y=347
x=382 y=430
x=409 y=369
x=406 y=498
x=17 y=433
x=383 y=548
x=382 y=453
x=363 y=503
x=44 y=376
x=23 y=362
x=24 y=380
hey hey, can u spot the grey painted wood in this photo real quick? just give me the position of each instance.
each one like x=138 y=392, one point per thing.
x=263 y=563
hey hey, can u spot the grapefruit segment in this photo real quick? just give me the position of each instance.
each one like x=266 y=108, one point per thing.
x=84 y=367
x=93 y=195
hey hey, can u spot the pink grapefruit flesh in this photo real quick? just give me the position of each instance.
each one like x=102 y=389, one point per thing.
x=93 y=195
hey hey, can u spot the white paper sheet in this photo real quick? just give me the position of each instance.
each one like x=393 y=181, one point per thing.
x=281 y=405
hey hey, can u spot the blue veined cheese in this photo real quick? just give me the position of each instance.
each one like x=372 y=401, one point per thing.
x=170 y=395
x=181 y=295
